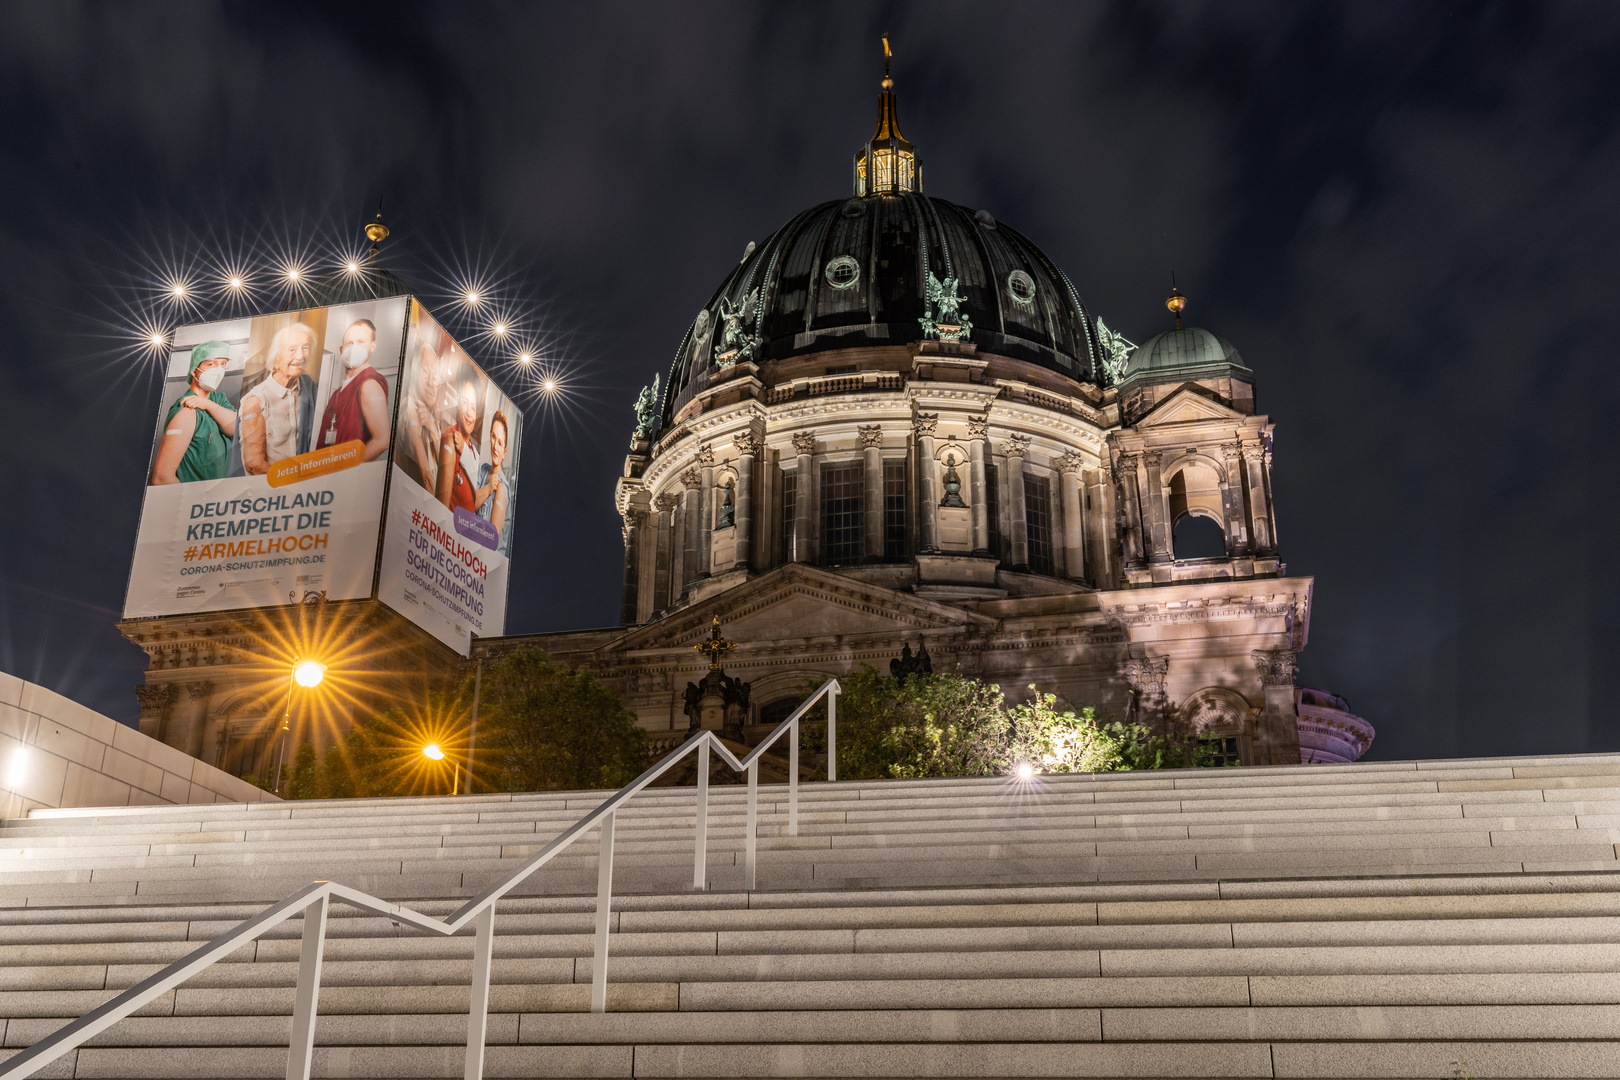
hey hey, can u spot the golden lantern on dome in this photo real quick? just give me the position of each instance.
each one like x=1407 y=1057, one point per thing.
x=1175 y=302
x=888 y=163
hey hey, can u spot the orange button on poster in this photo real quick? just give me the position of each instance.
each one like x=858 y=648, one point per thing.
x=316 y=463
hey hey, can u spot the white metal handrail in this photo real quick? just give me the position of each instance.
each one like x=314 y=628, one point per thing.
x=313 y=900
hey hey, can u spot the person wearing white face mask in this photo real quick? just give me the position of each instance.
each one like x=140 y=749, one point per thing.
x=358 y=409
x=200 y=426
x=279 y=412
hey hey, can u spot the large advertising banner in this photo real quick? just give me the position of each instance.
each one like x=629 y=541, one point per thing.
x=453 y=492
x=265 y=481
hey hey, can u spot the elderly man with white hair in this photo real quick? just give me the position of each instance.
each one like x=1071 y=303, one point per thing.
x=278 y=415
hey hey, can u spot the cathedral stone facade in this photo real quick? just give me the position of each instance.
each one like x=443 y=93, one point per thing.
x=896 y=421
x=896 y=424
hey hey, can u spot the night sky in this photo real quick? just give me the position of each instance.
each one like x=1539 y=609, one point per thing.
x=1403 y=215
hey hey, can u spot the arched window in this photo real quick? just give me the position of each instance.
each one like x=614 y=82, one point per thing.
x=1197 y=537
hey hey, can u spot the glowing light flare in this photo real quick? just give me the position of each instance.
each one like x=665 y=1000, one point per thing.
x=17 y=772
x=472 y=298
x=157 y=339
x=431 y=750
x=499 y=330
x=178 y=290
x=352 y=267
x=235 y=283
x=1025 y=771
x=293 y=274
x=309 y=673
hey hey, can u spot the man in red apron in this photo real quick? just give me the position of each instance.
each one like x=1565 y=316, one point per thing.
x=359 y=408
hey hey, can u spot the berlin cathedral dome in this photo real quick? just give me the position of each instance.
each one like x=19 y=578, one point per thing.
x=857 y=273
x=897 y=420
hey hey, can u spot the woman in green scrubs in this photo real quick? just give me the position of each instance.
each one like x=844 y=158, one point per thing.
x=200 y=426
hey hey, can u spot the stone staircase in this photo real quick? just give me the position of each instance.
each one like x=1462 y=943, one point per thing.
x=1432 y=919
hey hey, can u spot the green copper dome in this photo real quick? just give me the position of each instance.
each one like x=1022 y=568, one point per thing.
x=1187 y=352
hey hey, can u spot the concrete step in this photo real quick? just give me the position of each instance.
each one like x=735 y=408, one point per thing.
x=1388 y=919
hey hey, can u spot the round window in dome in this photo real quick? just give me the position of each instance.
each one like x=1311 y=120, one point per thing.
x=1021 y=287
x=844 y=272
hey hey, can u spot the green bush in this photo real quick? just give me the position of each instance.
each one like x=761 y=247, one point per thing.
x=953 y=725
x=929 y=725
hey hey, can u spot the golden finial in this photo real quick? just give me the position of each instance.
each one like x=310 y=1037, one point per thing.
x=1175 y=301
x=888 y=54
x=376 y=232
x=716 y=646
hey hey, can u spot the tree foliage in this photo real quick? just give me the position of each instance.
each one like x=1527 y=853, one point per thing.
x=547 y=727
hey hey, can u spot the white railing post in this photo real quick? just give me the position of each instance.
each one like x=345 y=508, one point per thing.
x=793 y=778
x=751 y=843
x=478 y=1010
x=301 y=1047
x=832 y=733
x=604 y=903
x=700 y=870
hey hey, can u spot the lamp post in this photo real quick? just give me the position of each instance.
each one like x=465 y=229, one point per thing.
x=308 y=674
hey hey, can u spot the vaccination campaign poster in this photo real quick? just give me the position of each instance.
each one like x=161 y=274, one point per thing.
x=453 y=494
x=265 y=480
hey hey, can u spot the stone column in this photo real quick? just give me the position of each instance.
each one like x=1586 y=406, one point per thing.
x=1271 y=505
x=628 y=602
x=1101 y=571
x=748 y=447
x=1017 y=447
x=1133 y=533
x=804 y=446
x=1259 y=511
x=1074 y=536
x=872 y=489
x=191 y=735
x=1276 y=735
x=1237 y=534
x=154 y=700
x=677 y=552
x=692 y=482
x=928 y=488
x=666 y=522
x=978 y=436
x=705 y=460
x=1146 y=680
x=1158 y=511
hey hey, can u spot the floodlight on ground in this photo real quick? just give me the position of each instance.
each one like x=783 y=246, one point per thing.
x=309 y=673
x=432 y=750
x=1025 y=771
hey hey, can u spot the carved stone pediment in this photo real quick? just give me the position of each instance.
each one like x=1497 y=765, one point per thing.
x=1187 y=406
x=799 y=601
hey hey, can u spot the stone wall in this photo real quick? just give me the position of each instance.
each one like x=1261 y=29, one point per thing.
x=55 y=753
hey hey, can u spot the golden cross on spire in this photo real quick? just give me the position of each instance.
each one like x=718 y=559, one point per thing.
x=716 y=647
x=888 y=54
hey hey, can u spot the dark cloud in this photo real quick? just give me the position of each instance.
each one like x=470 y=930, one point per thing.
x=1401 y=214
